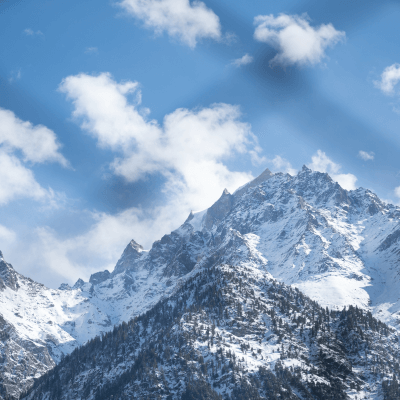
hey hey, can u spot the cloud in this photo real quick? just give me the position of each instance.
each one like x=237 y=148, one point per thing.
x=33 y=143
x=389 y=79
x=36 y=142
x=397 y=191
x=296 y=41
x=189 y=149
x=282 y=165
x=145 y=147
x=181 y=19
x=366 y=156
x=322 y=163
x=246 y=59
x=31 y=32
x=91 y=50
x=7 y=236
x=15 y=75
x=18 y=181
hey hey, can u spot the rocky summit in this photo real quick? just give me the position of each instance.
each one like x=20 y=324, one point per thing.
x=285 y=289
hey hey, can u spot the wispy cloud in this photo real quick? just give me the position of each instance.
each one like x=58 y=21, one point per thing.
x=91 y=50
x=188 y=22
x=246 y=59
x=31 y=32
x=390 y=77
x=295 y=39
x=322 y=163
x=280 y=164
x=15 y=75
x=365 y=155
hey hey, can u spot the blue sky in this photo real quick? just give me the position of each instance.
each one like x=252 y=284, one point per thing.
x=118 y=118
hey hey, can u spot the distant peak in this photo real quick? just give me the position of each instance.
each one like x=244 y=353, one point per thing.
x=79 y=283
x=190 y=217
x=266 y=174
x=132 y=252
x=305 y=169
x=225 y=192
x=134 y=245
x=64 y=286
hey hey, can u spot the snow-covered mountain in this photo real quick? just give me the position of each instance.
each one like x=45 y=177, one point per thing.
x=233 y=333
x=338 y=247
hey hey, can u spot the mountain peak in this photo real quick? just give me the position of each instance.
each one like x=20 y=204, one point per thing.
x=64 y=286
x=1 y=256
x=306 y=169
x=266 y=174
x=8 y=277
x=132 y=252
x=219 y=209
x=78 y=284
x=135 y=246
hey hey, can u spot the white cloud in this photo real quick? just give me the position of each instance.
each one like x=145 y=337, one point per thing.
x=31 y=32
x=246 y=59
x=91 y=50
x=282 y=165
x=7 y=236
x=181 y=19
x=189 y=149
x=322 y=163
x=365 y=155
x=397 y=191
x=37 y=143
x=389 y=79
x=18 y=181
x=296 y=41
x=190 y=142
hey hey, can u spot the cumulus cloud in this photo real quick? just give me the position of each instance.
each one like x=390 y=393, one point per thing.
x=181 y=19
x=144 y=146
x=18 y=181
x=365 y=155
x=322 y=163
x=389 y=79
x=189 y=149
x=296 y=41
x=246 y=59
x=36 y=144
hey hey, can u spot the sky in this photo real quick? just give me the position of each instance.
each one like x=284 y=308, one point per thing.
x=117 y=118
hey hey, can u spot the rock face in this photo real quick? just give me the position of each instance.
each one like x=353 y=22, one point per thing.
x=131 y=253
x=339 y=247
x=99 y=277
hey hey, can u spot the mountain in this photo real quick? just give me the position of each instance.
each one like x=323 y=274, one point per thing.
x=232 y=333
x=338 y=247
